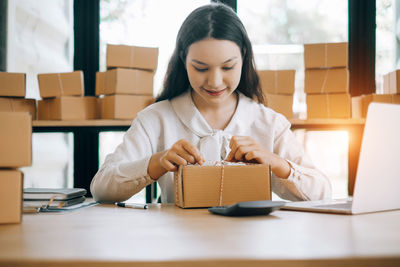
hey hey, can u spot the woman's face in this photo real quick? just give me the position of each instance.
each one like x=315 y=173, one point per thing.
x=214 y=68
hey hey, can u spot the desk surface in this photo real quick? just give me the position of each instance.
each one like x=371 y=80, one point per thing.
x=165 y=235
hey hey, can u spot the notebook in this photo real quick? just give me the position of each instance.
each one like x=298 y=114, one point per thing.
x=57 y=193
x=55 y=203
x=377 y=185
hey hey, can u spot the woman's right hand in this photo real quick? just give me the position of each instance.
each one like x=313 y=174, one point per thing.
x=181 y=153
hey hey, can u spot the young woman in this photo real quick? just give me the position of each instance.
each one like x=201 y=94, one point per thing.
x=206 y=112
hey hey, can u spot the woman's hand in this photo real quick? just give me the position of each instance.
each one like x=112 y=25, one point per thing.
x=181 y=153
x=246 y=149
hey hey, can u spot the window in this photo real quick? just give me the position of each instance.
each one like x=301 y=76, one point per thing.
x=153 y=23
x=36 y=44
x=278 y=30
x=387 y=39
x=52 y=161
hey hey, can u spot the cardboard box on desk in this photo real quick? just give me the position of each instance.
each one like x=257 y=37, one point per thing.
x=325 y=55
x=320 y=81
x=123 y=107
x=356 y=107
x=11 y=186
x=68 y=108
x=124 y=81
x=14 y=104
x=61 y=84
x=394 y=82
x=12 y=84
x=328 y=106
x=206 y=186
x=277 y=81
x=124 y=56
x=281 y=103
x=15 y=139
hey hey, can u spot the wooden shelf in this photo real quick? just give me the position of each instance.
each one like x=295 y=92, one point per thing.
x=296 y=123
x=75 y=123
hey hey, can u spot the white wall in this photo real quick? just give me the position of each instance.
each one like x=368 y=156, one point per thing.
x=39 y=39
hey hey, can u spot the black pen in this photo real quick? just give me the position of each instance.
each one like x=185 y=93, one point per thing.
x=132 y=205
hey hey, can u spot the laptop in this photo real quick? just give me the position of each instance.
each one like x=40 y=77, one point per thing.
x=377 y=185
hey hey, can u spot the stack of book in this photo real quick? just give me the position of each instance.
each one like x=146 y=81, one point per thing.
x=54 y=198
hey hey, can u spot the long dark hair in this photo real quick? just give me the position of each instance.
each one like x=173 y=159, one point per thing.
x=217 y=21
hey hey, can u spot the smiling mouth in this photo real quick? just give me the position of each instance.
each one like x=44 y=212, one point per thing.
x=214 y=93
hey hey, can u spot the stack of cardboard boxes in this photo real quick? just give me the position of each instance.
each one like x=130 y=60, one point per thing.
x=278 y=88
x=391 y=95
x=127 y=85
x=12 y=93
x=63 y=98
x=327 y=80
x=15 y=144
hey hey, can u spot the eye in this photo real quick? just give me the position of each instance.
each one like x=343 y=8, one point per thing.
x=227 y=68
x=200 y=69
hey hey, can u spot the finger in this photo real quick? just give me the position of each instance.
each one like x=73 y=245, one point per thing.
x=255 y=156
x=242 y=151
x=193 y=151
x=235 y=142
x=183 y=153
x=169 y=166
x=176 y=159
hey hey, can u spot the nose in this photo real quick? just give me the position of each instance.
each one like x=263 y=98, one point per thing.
x=215 y=79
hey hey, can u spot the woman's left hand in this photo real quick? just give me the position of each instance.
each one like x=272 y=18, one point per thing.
x=246 y=149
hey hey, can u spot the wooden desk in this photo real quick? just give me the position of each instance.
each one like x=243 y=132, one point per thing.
x=165 y=235
x=86 y=140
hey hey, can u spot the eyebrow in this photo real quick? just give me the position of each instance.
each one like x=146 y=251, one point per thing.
x=202 y=63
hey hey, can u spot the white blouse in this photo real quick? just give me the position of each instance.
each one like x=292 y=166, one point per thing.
x=159 y=126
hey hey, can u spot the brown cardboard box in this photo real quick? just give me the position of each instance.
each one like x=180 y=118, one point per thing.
x=386 y=83
x=13 y=104
x=12 y=84
x=61 y=84
x=328 y=106
x=129 y=81
x=327 y=55
x=356 y=107
x=135 y=57
x=100 y=83
x=394 y=82
x=200 y=186
x=380 y=98
x=15 y=139
x=320 y=81
x=68 y=108
x=123 y=107
x=277 y=81
x=281 y=103
x=11 y=186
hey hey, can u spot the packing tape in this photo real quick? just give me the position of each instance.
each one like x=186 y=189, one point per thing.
x=324 y=82
x=60 y=83
x=326 y=55
x=11 y=104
